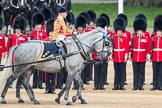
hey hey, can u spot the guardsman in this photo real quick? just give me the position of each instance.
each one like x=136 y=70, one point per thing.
x=120 y=53
x=37 y=23
x=92 y=15
x=86 y=15
x=80 y=27
x=88 y=68
x=140 y=52
x=70 y=24
x=110 y=34
x=38 y=34
x=70 y=20
x=50 y=77
x=2 y=41
x=127 y=34
x=91 y=26
x=17 y=37
x=99 y=69
x=156 y=52
x=146 y=32
x=48 y=14
x=60 y=28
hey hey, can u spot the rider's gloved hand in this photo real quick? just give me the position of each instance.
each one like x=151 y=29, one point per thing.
x=75 y=32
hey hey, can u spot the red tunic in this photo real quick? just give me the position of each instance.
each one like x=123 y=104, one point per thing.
x=157 y=49
x=2 y=44
x=14 y=40
x=38 y=35
x=90 y=29
x=141 y=48
x=43 y=28
x=120 y=48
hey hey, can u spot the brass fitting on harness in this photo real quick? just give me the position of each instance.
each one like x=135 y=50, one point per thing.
x=59 y=57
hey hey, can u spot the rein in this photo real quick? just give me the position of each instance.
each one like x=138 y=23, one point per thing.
x=81 y=49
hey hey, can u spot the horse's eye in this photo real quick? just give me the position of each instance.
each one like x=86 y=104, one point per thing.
x=106 y=43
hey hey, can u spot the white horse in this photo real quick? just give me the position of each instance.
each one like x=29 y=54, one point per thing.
x=30 y=51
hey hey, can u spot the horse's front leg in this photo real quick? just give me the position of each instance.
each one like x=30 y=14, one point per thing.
x=57 y=100
x=69 y=80
x=8 y=83
x=80 y=84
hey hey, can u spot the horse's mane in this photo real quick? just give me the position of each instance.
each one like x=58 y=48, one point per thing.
x=90 y=33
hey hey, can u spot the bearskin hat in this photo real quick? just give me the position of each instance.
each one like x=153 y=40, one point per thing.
x=49 y=26
x=119 y=24
x=158 y=23
x=124 y=17
x=37 y=18
x=19 y=23
x=141 y=16
x=80 y=22
x=92 y=15
x=107 y=18
x=101 y=22
x=70 y=18
x=47 y=14
x=139 y=24
x=1 y=23
x=86 y=16
x=158 y=17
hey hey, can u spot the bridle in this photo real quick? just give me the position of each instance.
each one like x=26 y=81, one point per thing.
x=82 y=51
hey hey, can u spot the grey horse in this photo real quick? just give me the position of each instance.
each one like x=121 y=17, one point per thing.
x=29 y=52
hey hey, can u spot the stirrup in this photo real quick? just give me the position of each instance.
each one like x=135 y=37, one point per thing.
x=59 y=44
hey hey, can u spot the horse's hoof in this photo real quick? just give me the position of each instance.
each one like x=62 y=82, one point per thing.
x=69 y=103
x=57 y=100
x=84 y=102
x=74 y=98
x=3 y=102
x=21 y=101
x=36 y=103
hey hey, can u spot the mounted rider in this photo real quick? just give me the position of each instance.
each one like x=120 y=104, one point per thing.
x=60 y=28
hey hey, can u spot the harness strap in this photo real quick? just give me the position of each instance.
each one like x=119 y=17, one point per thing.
x=81 y=49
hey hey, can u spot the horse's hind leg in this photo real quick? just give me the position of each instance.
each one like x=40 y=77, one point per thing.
x=18 y=86
x=9 y=81
x=30 y=92
x=78 y=95
x=69 y=80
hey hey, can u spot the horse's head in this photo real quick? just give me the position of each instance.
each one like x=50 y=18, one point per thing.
x=102 y=44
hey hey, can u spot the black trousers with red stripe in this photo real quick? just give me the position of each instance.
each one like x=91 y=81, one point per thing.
x=157 y=74
x=119 y=74
x=99 y=74
x=138 y=74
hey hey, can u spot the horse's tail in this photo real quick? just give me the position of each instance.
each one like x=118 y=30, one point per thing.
x=7 y=72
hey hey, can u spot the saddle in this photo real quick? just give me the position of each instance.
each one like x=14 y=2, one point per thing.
x=53 y=49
